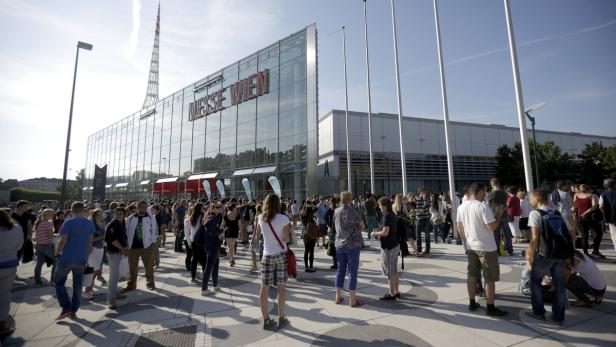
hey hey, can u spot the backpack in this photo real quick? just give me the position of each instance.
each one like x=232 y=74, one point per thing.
x=554 y=240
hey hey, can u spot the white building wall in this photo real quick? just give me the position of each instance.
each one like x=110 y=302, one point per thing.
x=427 y=136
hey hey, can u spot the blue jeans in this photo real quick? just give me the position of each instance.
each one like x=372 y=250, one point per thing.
x=43 y=252
x=350 y=257
x=114 y=260
x=211 y=268
x=556 y=268
x=507 y=232
x=423 y=224
x=61 y=274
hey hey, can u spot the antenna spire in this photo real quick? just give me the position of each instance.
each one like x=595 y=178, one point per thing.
x=151 y=95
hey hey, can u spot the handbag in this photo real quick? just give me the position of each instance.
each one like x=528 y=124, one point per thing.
x=313 y=232
x=28 y=252
x=124 y=271
x=331 y=249
x=291 y=261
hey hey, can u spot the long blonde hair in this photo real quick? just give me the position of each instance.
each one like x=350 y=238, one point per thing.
x=95 y=213
x=271 y=207
x=42 y=215
x=398 y=201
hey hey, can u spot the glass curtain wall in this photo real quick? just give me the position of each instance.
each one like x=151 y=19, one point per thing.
x=270 y=134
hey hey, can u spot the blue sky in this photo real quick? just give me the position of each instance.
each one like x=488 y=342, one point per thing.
x=566 y=50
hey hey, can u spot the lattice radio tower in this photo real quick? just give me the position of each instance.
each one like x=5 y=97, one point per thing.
x=151 y=95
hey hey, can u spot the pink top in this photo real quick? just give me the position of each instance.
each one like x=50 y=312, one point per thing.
x=44 y=232
x=513 y=206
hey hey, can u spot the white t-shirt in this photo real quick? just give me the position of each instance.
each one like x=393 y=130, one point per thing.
x=534 y=218
x=525 y=206
x=588 y=271
x=270 y=245
x=474 y=216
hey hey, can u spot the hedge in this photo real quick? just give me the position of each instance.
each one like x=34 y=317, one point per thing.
x=33 y=195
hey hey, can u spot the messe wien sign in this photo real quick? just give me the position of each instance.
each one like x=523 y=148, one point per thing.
x=238 y=92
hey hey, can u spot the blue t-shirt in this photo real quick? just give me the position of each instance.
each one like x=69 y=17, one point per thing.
x=98 y=233
x=79 y=231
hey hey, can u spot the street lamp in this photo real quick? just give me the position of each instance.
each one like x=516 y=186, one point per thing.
x=532 y=124
x=87 y=47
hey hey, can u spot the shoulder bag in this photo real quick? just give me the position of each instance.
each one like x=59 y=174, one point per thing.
x=291 y=262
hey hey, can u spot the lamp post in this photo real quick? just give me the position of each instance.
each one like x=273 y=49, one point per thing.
x=87 y=47
x=532 y=124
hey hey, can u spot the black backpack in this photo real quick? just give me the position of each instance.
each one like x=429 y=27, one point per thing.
x=554 y=240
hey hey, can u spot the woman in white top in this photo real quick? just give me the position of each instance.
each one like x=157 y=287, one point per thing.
x=437 y=217
x=11 y=240
x=275 y=229
x=194 y=255
x=525 y=207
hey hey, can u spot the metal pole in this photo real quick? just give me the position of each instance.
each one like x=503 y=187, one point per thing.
x=402 y=156
x=528 y=175
x=346 y=111
x=369 y=101
x=68 y=135
x=535 y=154
x=452 y=182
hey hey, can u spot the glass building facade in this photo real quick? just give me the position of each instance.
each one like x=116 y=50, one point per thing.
x=253 y=119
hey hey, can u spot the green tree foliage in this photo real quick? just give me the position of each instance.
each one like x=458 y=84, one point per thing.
x=595 y=163
x=8 y=184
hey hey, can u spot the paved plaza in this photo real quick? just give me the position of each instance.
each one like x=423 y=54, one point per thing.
x=432 y=312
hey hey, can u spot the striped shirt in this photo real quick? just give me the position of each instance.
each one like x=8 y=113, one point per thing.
x=44 y=232
x=422 y=208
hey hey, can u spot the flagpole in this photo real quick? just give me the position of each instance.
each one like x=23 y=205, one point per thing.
x=346 y=110
x=528 y=175
x=402 y=158
x=369 y=101
x=452 y=182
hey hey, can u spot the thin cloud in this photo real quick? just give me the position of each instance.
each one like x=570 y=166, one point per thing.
x=472 y=57
x=133 y=39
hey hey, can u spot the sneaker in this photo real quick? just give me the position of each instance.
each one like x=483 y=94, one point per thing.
x=532 y=315
x=73 y=316
x=194 y=280
x=215 y=289
x=269 y=324
x=64 y=314
x=232 y=263
x=6 y=331
x=558 y=322
x=496 y=312
x=387 y=297
x=87 y=296
x=282 y=322
x=102 y=280
x=205 y=292
x=598 y=254
x=474 y=306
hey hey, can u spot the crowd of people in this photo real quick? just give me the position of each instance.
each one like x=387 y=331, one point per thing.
x=487 y=222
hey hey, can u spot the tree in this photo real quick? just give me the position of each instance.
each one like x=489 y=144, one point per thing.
x=8 y=184
x=609 y=162
x=591 y=164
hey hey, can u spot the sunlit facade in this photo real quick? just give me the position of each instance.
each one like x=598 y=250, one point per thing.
x=253 y=119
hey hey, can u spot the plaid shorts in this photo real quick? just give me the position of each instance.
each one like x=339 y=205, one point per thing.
x=389 y=261
x=274 y=269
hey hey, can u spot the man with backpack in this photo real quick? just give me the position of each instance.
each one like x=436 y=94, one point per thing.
x=551 y=246
x=607 y=203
